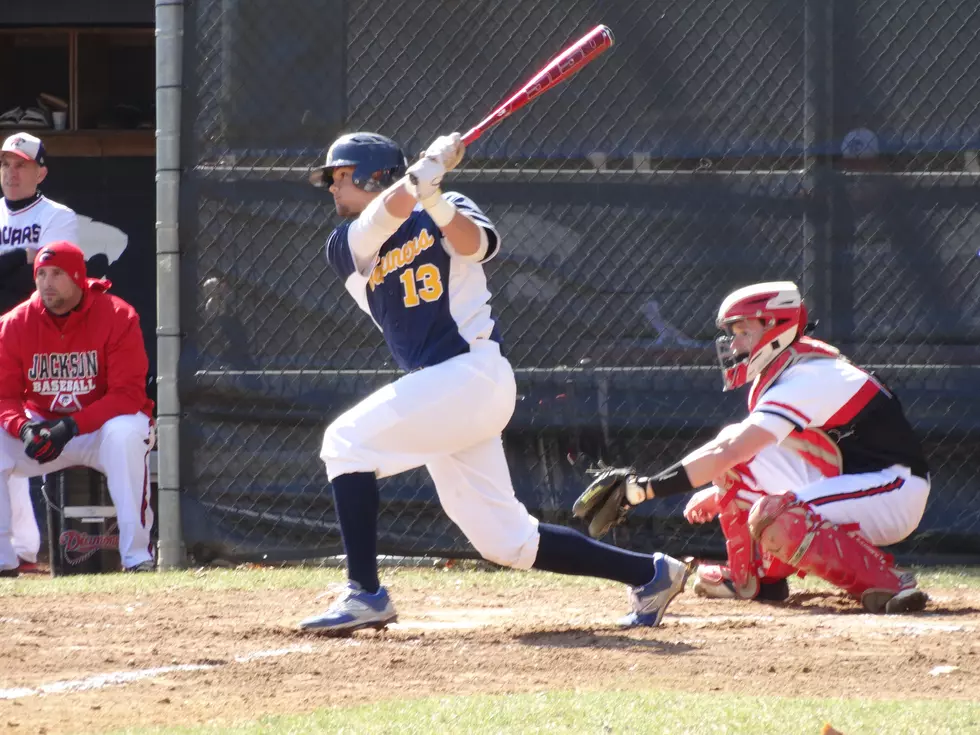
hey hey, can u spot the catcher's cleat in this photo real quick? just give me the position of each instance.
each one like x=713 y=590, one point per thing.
x=650 y=601
x=715 y=581
x=892 y=603
x=353 y=610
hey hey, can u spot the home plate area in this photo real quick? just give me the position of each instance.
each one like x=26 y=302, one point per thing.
x=461 y=619
x=94 y=661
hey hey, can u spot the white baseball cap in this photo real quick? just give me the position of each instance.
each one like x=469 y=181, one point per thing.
x=26 y=146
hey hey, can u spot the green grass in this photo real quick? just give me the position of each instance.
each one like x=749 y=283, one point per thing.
x=663 y=713
x=294 y=577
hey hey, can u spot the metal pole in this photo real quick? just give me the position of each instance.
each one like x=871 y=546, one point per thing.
x=169 y=52
x=817 y=40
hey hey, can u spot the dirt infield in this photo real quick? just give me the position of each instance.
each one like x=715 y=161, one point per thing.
x=95 y=662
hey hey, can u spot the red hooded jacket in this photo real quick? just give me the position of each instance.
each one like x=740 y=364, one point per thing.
x=92 y=365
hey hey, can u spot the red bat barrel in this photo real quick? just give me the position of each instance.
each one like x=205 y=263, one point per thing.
x=560 y=68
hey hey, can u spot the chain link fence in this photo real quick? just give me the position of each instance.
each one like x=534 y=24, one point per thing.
x=717 y=144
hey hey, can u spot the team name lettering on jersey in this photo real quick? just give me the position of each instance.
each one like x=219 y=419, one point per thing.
x=64 y=376
x=20 y=235
x=400 y=257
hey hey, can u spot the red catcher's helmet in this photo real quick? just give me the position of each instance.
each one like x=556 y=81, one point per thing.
x=780 y=307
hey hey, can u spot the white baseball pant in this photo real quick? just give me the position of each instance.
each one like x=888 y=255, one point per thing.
x=448 y=417
x=888 y=505
x=23 y=522
x=120 y=450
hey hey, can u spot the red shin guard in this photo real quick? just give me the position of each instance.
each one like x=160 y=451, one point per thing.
x=795 y=534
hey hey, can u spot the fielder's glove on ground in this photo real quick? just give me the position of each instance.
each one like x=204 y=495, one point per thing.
x=606 y=500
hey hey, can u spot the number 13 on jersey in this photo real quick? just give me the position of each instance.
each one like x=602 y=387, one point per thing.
x=423 y=283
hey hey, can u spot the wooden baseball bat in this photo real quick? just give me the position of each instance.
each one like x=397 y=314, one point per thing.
x=570 y=60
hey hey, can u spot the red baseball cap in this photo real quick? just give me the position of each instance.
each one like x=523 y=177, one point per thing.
x=66 y=256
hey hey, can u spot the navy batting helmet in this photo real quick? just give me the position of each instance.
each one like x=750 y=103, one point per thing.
x=377 y=161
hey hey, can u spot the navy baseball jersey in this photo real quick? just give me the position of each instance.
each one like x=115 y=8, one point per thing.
x=428 y=305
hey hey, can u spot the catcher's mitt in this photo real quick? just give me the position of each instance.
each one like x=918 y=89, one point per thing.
x=604 y=504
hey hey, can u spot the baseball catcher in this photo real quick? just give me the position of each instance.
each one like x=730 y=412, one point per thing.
x=823 y=470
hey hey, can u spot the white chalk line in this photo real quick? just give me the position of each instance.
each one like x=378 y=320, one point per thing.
x=116 y=678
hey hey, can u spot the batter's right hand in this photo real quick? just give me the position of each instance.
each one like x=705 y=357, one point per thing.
x=447 y=150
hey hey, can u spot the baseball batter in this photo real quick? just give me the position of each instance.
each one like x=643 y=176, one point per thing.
x=412 y=258
x=823 y=471
x=28 y=222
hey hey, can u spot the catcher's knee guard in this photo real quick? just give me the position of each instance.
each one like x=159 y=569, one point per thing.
x=744 y=560
x=794 y=533
x=741 y=578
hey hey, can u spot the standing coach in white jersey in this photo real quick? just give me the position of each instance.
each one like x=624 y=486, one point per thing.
x=28 y=222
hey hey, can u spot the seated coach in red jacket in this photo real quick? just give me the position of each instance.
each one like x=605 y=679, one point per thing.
x=73 y=392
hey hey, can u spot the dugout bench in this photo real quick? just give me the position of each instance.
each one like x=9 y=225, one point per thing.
x=83 y=537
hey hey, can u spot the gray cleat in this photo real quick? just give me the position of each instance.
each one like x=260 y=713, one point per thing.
x=650 y=601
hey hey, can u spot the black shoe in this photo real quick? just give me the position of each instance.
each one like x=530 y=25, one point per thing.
x=9 y=573
x=773 y=591
x=144 y=566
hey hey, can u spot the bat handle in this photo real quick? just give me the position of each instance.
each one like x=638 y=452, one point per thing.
x=471 y=135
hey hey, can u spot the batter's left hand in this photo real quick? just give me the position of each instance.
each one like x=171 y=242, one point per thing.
x=448 y=150
x=424 y=177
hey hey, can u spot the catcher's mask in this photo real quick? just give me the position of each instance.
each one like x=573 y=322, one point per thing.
x=779 y=306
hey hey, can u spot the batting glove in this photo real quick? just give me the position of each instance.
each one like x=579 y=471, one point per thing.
x=45 y=441
x=424 y=177
x=447 y=150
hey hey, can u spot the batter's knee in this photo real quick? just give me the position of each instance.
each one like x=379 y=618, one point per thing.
x=512 y=548
x=337 y=443
x=342 y=453
x=332 y=441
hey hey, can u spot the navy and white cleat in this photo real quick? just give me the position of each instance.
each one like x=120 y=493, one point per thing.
x=650 y=601
x=355 y=609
